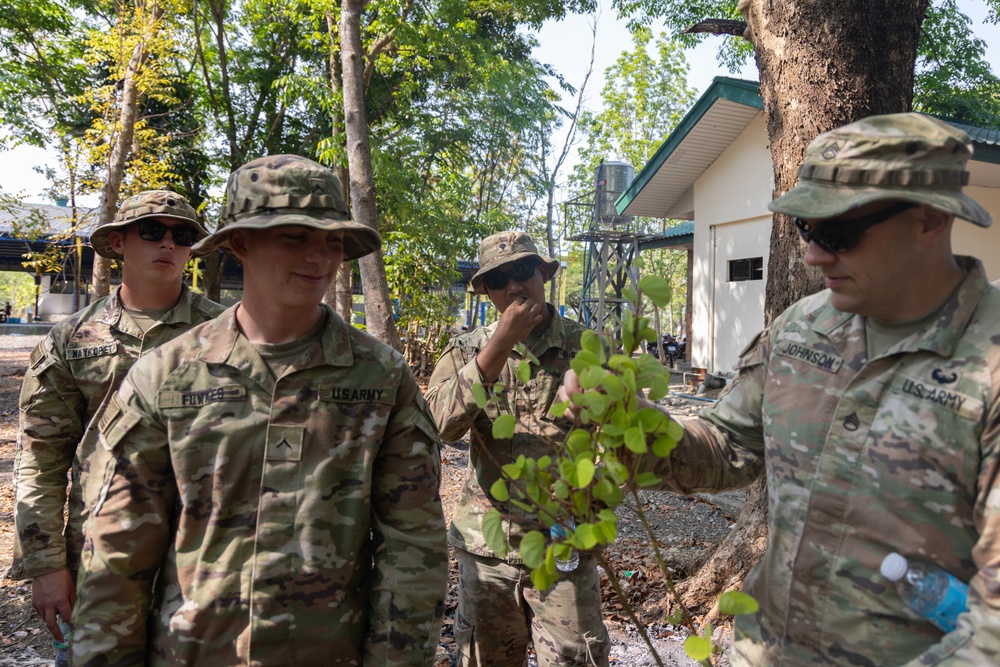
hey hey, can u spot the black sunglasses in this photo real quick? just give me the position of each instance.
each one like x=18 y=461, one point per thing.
x=519 y=272
x=154 y=230
x=842 y=236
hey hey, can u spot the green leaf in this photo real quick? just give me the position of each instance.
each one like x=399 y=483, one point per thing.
x=698 y=648
x=499 y=491
x=659 y=387
x=494 y=533
x=512 y=470
x=646 y=479
x=591 y=377
x=503 y=427
x=620 y=361
x=533 y=549
x=635 y=440
x=588 y=535
x=479 y=394
x=596 y=402
x=558 y=410
x=584 y=472
x=617 y=470
x=630 y=295
x=608 y=492
x=736 y=603
x=561 y=489
x=613 y=387
x=524 y=372
x=543 y=579
x=657 y=289
x=584 y=360
x=591 y=342
x=663 y=445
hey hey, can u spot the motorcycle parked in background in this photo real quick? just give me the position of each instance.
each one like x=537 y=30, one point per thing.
x=669 y=346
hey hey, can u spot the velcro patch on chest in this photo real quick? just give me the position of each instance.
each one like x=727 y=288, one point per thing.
x=195 y=398
x=284 y=443
x=825 y=361
x=74 y=353
x=932 y=392
x=356 y=394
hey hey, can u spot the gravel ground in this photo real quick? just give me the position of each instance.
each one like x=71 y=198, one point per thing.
x=684 y=528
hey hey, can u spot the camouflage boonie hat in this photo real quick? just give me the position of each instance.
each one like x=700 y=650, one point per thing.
x=505 y=248
x=900 y=157
x=282 y=190
x=149 y=204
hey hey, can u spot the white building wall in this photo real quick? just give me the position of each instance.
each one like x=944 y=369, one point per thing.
x=984 y=243
x=731 y=222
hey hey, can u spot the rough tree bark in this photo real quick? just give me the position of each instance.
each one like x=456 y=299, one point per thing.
x=822 y=64
x=378 y=304
x=101 y=274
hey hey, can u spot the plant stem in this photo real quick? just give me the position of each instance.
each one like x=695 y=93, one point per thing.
x=613 y=578
x=688 y=619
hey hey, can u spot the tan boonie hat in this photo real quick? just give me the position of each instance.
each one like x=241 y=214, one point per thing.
x=161 y=204
x=505 y=248
x=900 y=157
x=282 y=190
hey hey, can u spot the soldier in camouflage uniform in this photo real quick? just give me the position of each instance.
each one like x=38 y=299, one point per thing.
x=499 y=610
x=875 y=405
x=274 y=498
x=73 y=373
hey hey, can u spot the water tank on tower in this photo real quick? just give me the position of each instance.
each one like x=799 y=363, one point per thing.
x=611 y=180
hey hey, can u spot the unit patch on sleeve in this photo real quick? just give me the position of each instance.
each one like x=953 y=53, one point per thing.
x=825 y=361
x=195 y=398
x=73 y=353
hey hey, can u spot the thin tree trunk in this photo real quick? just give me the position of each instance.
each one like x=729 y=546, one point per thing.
x=101 y=275
x=339 y=295
x=822 y=64
x=378 y=304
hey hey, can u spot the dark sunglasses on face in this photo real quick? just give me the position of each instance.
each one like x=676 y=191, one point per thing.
x=154 y=230
x=842 y=236
x=519 y=273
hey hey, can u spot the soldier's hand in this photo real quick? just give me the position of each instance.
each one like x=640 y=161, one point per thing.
x=570 y=385
x=519 y=319
x=54 y=593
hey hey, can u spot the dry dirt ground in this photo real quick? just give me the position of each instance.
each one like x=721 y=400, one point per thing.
x=684 y=528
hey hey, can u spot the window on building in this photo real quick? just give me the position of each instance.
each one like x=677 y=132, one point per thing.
x=746 y=269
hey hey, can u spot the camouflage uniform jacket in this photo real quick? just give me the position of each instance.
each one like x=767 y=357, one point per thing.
x=72 y=374
x=293 y=521
x=863 y=457
x=449 y=394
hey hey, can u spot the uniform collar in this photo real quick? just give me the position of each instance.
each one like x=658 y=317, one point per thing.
x=221 y=342
x=943 y=336
x=112 y=314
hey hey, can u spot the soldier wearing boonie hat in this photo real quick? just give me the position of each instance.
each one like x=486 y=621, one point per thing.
x=275 y=493
x=74 y=371
x=492 y=626
x=875 y=405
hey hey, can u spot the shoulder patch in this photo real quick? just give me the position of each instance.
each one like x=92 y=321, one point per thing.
x=73 y=353
x=195 y=398
x=37 y=355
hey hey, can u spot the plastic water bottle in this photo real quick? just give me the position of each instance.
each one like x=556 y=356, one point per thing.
x=557 y=532
x=62 y=648
x=931 y=592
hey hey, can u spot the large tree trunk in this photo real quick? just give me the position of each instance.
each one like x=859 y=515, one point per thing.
x=378 y=304
x=101 y=274
x=822 y=63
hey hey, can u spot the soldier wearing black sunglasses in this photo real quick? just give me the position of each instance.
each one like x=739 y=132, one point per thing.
x=491 y=627
x=873 y=409
x=72 y=375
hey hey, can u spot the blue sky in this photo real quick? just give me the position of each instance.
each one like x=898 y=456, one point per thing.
x=565 y=45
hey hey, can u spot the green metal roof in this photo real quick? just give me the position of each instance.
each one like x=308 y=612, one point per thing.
x=678 y=235
x=986 y=141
